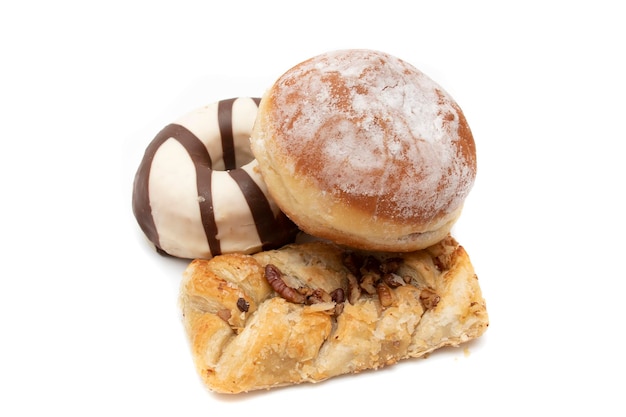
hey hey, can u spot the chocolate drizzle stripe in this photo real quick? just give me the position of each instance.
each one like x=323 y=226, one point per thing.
x=270 y=228
x=259 y=206
x=202 y=163
x=141 y=194
x=225 y=123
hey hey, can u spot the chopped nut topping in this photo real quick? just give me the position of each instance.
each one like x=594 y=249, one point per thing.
x=317 y=296
x=368 y=283
x=391 y=265
x=243 y=305
x=351 y=261
x=393 y=280
x=224 y=314
x=439 y=263
x=339 y=298
x=354 y=289
x=370 y=264
x=365 y=274
x=338 y=295
x=303 y=295
x=373 y=277
x=384 y=295
x=429 y=298
x=275 y=279
x=338 y=309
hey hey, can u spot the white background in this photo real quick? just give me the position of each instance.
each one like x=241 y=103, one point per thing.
x=89 y=321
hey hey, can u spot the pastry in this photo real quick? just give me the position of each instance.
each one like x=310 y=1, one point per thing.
x=310 y=311
x=198 y=192
x=361 y=148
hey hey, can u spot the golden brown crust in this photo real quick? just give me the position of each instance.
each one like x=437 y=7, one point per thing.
x=361 y=148
x=431 y=299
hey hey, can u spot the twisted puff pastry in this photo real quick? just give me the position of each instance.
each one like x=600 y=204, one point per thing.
x=244 y=335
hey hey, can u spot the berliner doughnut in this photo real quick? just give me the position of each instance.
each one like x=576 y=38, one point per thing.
x=198 y=193
x=361 y=148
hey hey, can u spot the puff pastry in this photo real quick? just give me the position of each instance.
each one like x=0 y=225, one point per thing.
x=310 y=311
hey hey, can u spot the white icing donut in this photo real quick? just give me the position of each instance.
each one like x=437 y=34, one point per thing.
x=198 y=192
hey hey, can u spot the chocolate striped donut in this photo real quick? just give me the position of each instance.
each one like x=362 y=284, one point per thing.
x=198 y=192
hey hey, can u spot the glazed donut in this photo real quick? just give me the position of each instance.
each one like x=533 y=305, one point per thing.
x=198 y=193
x=360 y=147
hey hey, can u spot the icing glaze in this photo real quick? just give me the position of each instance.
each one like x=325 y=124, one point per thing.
x=198 y=192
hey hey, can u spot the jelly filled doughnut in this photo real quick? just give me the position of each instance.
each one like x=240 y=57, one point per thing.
x=361 y=148
x=198 y=192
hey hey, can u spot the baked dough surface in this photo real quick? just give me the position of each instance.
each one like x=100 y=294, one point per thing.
x=361 y=148
x=245 y=336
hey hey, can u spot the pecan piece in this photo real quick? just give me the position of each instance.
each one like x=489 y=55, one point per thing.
x=429 y=298
x=384 y=295
x=338 y=309
x=393 y=280
x=338 y=295
x=354 y=289
x=317 y=295
x=370 y=265
x=274 y=277
x=352 y=261
x=368 y=283
x=391 y=265
x=243 y=305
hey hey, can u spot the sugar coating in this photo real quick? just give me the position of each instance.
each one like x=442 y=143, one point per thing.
x=366 y=124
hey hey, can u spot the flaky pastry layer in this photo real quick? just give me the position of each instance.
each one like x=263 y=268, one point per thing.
x=328 y=311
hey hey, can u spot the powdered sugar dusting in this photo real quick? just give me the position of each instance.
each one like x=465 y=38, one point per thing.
x=383 y=129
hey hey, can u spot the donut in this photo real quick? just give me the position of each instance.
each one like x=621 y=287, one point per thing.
x=360 y=147
x=198 y=193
